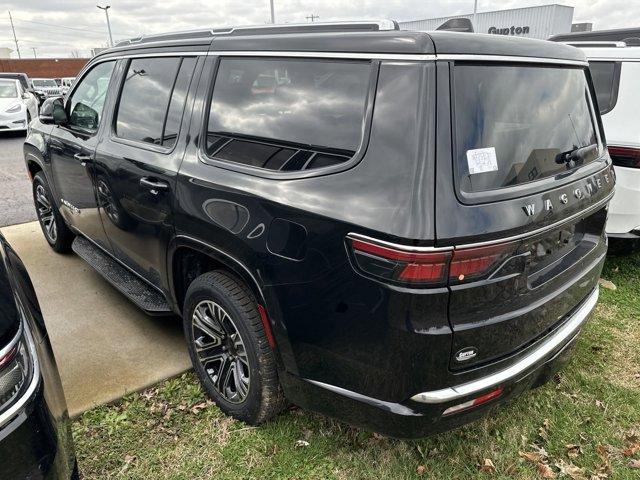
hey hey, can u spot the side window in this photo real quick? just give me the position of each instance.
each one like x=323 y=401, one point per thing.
x=87 y=101
x=152 y=99
x=287 y=114
x=606 y=80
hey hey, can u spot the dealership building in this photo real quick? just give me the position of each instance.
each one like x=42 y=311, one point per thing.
x=531 y=22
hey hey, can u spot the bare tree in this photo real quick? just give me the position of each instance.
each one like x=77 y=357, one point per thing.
x=75 y=53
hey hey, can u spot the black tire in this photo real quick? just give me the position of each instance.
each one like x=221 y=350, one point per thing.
x=55 y=230
x=263 y=398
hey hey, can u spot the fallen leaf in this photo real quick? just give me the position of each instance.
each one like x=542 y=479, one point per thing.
x=421 y=469
x=573 y=450
x=533 y=457
x=574 y=472
x=545 y=471
x=301 y=443
x=600 y=404
x=634 y=463
x=488 y=466
x=631 y=451
x=609 y=285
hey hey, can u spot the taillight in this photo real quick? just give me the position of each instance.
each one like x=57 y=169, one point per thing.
x=15 y=371
x=473 y=263
x=401 y=266
x=428 y=267
x=625 y=156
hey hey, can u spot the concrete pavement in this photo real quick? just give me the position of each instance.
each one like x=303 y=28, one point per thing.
x=104 y=346
x=16 y=202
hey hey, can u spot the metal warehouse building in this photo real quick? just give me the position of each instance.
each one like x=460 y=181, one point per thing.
x=532 y=22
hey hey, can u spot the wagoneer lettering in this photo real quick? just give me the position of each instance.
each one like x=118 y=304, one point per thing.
x=304 y=198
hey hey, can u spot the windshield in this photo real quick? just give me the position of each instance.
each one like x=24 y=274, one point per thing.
x=44 y=83
x=8 y=89
x=518 y=124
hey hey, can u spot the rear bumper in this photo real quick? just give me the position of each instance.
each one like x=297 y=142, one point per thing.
x=624 y=209
x=421 y=415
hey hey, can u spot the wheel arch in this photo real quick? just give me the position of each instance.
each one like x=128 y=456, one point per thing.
x=199 y=257
x=188 y=258
x=33 y=161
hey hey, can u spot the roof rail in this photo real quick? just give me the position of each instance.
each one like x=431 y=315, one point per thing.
x=315 y=27
x=587 y=43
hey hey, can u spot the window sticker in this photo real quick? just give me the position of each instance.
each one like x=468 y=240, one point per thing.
x=482 y=160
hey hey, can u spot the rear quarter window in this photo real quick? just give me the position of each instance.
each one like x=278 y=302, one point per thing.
x=606 y=81
x=287 y=114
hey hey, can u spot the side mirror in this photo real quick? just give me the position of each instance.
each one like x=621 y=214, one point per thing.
x=52 y=111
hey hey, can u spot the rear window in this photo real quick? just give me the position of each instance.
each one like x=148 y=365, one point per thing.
x=287 y=114
x=606 y=80
x=519 y=124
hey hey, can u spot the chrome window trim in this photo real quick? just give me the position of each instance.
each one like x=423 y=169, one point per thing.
x=570 y=328
x=511 y=58
x=352 y=55
x=316 y=54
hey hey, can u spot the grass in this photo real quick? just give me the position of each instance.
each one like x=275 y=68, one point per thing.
x=584 y=425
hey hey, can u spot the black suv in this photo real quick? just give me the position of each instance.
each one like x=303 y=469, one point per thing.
x=399 y=229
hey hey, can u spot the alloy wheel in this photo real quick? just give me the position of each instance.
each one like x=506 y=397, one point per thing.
x=46 y=214
x=221 y=350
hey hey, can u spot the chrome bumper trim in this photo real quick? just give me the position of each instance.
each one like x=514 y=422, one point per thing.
x=18 y=405
x=477 y=386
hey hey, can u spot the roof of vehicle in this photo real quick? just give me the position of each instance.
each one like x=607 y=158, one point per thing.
x=613 y=53
x=617 y=34
x=354 y=37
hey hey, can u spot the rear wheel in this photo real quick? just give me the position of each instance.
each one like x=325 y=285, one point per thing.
x=53 y=226
x=229 y=349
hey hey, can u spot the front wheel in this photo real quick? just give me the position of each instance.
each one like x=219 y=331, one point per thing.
x=229 y=349
x=54 y=228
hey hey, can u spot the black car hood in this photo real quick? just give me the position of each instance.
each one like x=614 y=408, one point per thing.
x=9 y=316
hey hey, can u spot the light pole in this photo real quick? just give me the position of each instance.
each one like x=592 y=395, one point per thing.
x=273 y=15
x=35 y=55
x=106 y=11
x=475 y=14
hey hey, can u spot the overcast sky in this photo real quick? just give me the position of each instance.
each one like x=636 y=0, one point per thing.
x=77 y=25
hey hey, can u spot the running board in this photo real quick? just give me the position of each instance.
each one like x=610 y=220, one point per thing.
x=135 y=289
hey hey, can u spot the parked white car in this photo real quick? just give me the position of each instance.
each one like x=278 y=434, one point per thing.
x=46 y=86
x=65 y=84
x=17 y=106
x=615 y=68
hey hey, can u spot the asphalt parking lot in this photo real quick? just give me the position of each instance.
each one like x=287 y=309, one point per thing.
x=16 y=205
x=104 y=346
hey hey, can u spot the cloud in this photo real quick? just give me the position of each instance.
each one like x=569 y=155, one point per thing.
x=133 y=17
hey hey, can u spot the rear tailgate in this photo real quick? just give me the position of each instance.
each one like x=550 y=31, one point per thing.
x=532 y=178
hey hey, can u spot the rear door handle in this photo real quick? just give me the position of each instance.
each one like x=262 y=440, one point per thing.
x=154 y=186
x=83 y=159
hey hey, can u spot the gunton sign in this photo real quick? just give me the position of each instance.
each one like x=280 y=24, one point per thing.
x=513 y=30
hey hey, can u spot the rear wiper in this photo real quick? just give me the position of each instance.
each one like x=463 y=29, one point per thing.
x=576 y=156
